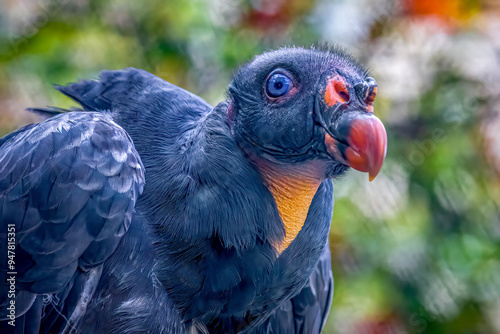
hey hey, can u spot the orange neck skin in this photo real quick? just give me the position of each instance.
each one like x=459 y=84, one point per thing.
x=293 y=190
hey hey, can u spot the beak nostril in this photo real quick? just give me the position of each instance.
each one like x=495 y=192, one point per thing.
x=341 y=90
x=337 y=91
x=344 y=96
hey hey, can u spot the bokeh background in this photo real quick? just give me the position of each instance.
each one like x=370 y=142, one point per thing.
x=415 y=251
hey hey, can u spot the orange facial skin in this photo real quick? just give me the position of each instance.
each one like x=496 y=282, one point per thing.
x=336 y=91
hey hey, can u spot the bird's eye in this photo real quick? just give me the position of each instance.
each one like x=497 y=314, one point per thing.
x=278 y=85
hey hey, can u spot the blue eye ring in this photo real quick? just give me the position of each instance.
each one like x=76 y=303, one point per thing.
x=278 y=84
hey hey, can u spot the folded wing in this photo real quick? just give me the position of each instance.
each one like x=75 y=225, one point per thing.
x=68 y=187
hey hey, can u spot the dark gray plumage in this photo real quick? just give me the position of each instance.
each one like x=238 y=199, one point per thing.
x=69 y=186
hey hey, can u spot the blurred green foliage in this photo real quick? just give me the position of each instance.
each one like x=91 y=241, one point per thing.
x=415 y=251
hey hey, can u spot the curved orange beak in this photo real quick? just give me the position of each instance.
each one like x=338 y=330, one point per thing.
x=357 y=137
x=367 y=145
x=361 y=143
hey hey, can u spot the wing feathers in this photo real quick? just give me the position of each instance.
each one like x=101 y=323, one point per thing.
x=69 y=185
